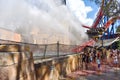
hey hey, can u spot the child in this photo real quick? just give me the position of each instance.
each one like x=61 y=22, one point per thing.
x=98 y=62
x=115 y=60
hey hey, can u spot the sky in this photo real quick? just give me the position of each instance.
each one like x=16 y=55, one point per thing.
x=84 y=10
x=33 y=17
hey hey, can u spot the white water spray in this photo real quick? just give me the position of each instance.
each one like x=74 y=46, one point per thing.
x=31 y=18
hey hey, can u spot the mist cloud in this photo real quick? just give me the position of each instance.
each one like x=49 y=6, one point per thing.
x=40 y=16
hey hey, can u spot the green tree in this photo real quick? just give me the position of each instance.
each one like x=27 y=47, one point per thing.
x=112 y=7
x=118 y=29
x=118 y=42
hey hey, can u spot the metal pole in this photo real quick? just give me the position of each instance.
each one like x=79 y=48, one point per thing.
x=45 y=51
x=58 y=49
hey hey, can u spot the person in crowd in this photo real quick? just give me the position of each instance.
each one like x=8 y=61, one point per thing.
x=94 y=55
x=98 y=63
x=91 y=57
x=83 y=60
x=108 y=56
x=115 y=58
x=87 y=60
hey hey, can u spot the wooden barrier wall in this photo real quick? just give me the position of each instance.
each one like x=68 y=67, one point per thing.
x=16 y=64
x=55 y=68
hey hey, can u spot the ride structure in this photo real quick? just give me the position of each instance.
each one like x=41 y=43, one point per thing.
x=104 y=26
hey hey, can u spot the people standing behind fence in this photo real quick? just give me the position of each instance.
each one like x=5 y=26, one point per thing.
x=94 y=55
x=98 y=62
x=111 y=53
x=83 y=60
x=98 y=54
x=108 y=56
x=87 y=60
x=115 y=58
x=91 y=57
x=118 y=53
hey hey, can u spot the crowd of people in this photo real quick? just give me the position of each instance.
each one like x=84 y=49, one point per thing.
x=100 y=56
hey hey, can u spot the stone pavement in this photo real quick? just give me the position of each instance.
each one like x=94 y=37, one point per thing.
x=111 y=75
x=106 y=73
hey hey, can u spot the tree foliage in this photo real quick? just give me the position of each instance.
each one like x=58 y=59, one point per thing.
x=118 y=29
x=111 y=7
x=118 y=44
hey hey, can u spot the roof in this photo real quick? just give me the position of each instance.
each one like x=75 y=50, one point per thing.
x=106 y=42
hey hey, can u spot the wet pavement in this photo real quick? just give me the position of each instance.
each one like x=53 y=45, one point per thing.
x=110 y=75
x=106 y=73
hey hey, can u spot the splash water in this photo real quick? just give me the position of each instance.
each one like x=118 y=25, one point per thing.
x=41 y=20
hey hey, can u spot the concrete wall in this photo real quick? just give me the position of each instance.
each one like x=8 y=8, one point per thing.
x=55 y=68
x=46 y=38
x=9 y=35
x=16 y=63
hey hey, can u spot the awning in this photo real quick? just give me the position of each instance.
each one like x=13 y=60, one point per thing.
x=106 y=42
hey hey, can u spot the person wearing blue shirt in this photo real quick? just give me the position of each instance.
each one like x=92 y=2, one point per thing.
x=98 y=62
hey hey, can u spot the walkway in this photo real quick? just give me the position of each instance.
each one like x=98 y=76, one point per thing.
x=106 y=73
